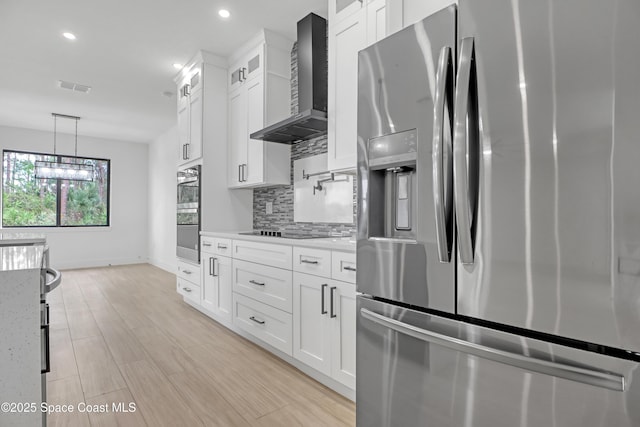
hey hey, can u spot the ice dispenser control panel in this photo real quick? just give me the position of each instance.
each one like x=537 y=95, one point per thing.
x=392 y=180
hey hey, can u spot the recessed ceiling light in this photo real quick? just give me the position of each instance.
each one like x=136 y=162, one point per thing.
x=69 y=36
x=177 y=66
x=224 y=13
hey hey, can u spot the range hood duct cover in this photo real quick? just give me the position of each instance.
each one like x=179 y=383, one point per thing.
x=311 y=121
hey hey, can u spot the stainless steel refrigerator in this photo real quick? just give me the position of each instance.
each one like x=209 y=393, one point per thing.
x=499 y=218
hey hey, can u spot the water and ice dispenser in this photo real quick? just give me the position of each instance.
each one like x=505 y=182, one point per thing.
x=393 y=186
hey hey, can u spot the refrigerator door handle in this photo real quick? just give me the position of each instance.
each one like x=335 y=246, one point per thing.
x=465 y=158
x=440 y=125
x=595 y=378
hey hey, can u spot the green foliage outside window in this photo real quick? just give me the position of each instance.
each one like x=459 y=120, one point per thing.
x=31 y=202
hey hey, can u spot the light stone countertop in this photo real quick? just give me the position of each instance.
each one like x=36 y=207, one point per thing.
x=13 y=238
x=343 y=244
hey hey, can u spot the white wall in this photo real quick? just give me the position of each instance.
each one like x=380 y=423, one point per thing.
x=125 y=240
x=162 y=200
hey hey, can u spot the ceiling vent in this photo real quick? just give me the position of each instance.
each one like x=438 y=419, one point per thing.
x=74 y=86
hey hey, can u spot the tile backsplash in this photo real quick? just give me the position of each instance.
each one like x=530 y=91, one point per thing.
x=282 y=196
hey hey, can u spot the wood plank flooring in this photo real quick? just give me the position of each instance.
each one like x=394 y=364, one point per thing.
x=123 y=335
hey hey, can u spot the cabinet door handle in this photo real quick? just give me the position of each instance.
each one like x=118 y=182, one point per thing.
x=244 y=172
x=187 y=150
x=306 y=261
x=322 y=308
x=206 y=244
x=253 y=282
x=187 y=289
x=186 y=271
x=239 y=173
x=211 y=267
x=331 y=297
x=348 y=268
x=222 y=246
x=45 y=348
x=216 y=271
x=261 y=322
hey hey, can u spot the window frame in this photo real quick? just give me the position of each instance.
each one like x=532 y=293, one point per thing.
x=58 y=158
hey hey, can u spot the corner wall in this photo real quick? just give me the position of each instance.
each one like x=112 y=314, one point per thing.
x=125 y=240
x=162 y=200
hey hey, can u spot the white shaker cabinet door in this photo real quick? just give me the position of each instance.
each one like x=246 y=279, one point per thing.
x=184 y=125
x=311 y=323
x=376 y=21
x=254 y=173
x=237 y=136
x=342 y=307
x=346 y=38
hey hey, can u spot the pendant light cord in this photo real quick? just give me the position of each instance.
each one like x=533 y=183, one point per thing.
x=55 y=131
x=55 y=122
x=76 y=149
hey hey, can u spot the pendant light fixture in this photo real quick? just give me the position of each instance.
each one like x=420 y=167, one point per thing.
x=62 y=170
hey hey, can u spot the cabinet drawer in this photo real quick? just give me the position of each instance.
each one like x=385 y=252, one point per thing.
x=189 y=272
x=188 y=290
x=343 y=266
x=216 y=246
x=263 y=253
x=312 y=261
x=269 y=285
x=269 y=324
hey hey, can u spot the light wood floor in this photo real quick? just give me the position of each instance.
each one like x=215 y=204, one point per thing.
x=122 y=334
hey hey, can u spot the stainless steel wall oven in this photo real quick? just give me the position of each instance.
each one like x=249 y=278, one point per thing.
x=188 y=214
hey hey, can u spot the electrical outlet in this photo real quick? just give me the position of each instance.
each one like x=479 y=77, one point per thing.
x=269 y=208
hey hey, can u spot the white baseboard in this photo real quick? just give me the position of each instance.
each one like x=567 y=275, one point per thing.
x=90 y=263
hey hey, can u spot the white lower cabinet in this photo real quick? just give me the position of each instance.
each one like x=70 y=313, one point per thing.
x=217 y=286
x=188 y=281
x=324 y=326
x=311 y=324
x=269 y=324
x=265 y=290
x=189 y=290
x=343 y=348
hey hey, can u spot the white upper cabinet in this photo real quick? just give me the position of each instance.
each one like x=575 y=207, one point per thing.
x=402 y=13
x=259 y=95
x=340 y=9
x=376 y=21
x=190 y=110
x=348 y=34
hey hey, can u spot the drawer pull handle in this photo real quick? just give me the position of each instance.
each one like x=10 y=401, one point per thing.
x=186 y=271
x=331 y=298
x=253 y=282
x=206 y=244
x=261 y=322
x=306 y=261
x=348 y=268
x=187 y=289
x=222 y=246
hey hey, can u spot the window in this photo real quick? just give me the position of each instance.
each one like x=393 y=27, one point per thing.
x=31 y=202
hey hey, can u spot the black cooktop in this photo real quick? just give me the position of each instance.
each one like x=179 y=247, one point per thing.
x=284 y=234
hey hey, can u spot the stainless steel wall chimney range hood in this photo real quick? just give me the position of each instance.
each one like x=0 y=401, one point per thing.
x=311 y=121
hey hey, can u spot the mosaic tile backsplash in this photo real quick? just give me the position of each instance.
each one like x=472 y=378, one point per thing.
x=282 y=196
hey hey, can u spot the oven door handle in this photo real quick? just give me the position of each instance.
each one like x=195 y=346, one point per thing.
x=53 y=283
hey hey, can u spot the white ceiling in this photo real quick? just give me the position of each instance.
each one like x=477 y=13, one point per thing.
x=124 y=50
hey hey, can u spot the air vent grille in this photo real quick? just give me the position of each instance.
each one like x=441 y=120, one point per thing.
x=74 y=86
